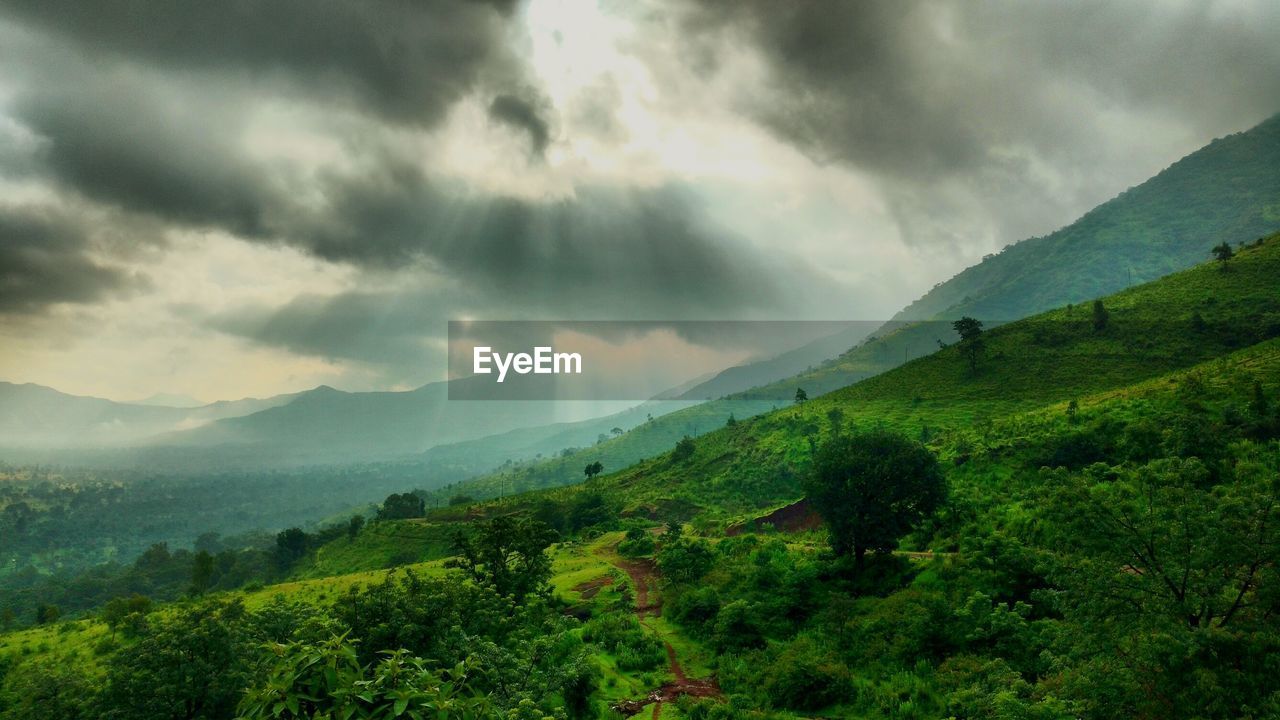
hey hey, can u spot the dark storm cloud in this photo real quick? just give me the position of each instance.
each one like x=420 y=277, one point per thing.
x=45 y=259
x=126 y=146
x=522 y=115
x=605 y=254
x=404 y=61
x=604 y=249
x=145 y=108
x=1020 y=103
x=382 y=328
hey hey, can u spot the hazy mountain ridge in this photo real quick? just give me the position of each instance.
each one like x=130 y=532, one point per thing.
x=1229 y=190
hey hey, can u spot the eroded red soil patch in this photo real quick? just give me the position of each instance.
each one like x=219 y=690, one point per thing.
x=590 y=588
x=796 y=517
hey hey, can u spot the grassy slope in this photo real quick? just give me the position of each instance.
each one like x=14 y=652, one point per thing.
x=1045 y=360
x=1228 y=190
x=1032 y=368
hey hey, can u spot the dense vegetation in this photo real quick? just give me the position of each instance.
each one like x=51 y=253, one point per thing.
x=1090 y=529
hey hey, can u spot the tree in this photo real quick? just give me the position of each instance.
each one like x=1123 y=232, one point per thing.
x=801 y=396
x=1163 y=544
x=616 y=431
x=507 y=552
x=354 y=526
x=190 y=664
x=684 y=449
x=971 y=343
x=129 y=612
x=871 y=488
x=1258 y=400
x=835 y=417
x=684 y=560
x=593 y=469
x=589 y=509
x=400 y=506
x=1222 y=253
x=47 y=613
x=291 y=545
x=731 y=422
x=1100 y=316
x=201 y=573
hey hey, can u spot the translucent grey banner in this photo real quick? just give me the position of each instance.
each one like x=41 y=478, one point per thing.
x=640 y=360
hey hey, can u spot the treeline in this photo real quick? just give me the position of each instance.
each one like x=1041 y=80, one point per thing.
x=488 y=642
x=28 y=597
x=56 y=518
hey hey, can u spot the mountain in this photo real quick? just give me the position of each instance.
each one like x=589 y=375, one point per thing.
x=38 y=417
x=1155 y=332
x=1227 y=191
x=326 y=425
x=170 y=400
x=744 y=377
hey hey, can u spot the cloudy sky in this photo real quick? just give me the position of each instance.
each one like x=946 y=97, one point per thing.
x=236 y=198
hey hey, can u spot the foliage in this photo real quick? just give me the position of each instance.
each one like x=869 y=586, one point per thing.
x=401 y=506
x=326 y=680
x=872 y=488
x=508 y=553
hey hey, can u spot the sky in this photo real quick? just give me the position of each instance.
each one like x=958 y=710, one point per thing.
x=243 y=198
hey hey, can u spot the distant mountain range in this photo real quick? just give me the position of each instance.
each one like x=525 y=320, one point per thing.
x=324 y=425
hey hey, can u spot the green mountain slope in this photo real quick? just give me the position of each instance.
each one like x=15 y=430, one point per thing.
x=1047 y=360
x=1228 y=190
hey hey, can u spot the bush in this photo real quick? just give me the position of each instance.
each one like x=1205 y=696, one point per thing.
x=804 y=677
x=736 y=628
x=622 y=636
x=637 y=542
x=697 y=608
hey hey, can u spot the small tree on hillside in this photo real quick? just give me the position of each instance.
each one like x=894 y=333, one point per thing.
x=871 y=488
x=1222 y=253
x=835 y=416
x=593 y=469
x=354 y=526
x=801 y=396
x=971 y=344
x=201 y=573
x=507 y=552
x=684 y=449
x=400 y=506
x=1100 y=316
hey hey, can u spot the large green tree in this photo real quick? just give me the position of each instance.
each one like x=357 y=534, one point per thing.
x=507 y=552
x=871 y=488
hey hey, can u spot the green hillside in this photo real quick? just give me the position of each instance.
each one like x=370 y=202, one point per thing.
x=1053 y=357
x=1226 y=191
x=1017 y=599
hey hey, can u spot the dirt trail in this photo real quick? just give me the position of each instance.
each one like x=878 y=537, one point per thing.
x=644 y=578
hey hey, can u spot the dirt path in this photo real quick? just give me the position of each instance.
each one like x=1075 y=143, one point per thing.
x=644 y=578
